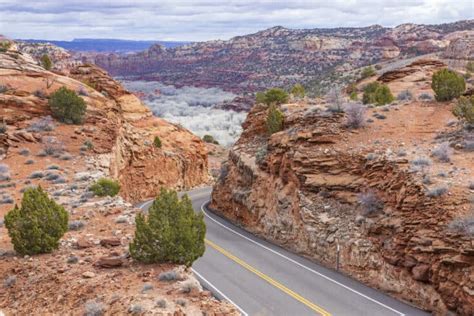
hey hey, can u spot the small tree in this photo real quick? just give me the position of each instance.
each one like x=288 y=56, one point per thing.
x=464 y=110
x=210 y=139
x=273 y=96
x=353 y=96
x=105 y=187
x=67 y=106
x=38 y=225
x=376 y=93
x=383 y=95
x=171 y=232
x=157 y=142
x=367 y=72
x=369 y=92
x=260 y=97
x=274 y=120
x=46 y=62
x=298 y=91
x=4 y=46
x=447 y=85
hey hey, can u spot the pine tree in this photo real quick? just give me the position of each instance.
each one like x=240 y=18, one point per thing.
x=38 y=225
x=46 y=62
x=171 y=232
x=157 y=142
x=274 y=119
x=67 y=106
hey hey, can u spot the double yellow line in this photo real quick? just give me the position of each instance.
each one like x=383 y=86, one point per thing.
x=265 y=277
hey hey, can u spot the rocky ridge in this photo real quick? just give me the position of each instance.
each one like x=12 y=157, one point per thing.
x=92 y=269
x=302 y=188
x=279 y=56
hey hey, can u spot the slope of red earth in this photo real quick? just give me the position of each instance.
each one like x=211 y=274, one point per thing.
x=92 y=268
x=302 y=187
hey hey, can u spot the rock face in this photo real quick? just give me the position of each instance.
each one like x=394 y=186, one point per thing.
x=124 y=127
x=280 y=56
x=461 y=47
x=300 y=188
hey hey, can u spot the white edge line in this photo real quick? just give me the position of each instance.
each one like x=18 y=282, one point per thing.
x=204 y=279
x=220 y=293
x=299 y=264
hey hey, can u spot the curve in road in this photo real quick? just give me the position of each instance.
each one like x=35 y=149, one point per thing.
x=260 y=278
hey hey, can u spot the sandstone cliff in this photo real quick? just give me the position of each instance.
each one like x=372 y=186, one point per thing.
x=280 y=57
x=91 y=272
x=123 y=131
x=305 y=188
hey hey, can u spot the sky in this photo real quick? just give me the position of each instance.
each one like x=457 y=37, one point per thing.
x=202 y=20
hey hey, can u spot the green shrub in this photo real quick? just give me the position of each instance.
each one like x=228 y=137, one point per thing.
x=353 y=96
x=46 y=62
x=67 y=106
x=367 y=72
x=37 y=225
x=447 y=85
x=376 y=93
x=383 y=95
x=298 y=91
x=272 y=96
x=470 y=66
x=171 y=232
x=105 y=187
x=210 y=139
x=274 y=119
x=260 y=97
x=464 y=110
x=157 y=142
x=4 y=46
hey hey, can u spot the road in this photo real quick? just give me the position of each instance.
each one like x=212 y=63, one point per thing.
x=260 y=278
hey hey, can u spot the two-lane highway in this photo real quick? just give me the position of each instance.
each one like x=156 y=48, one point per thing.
x=260 y=278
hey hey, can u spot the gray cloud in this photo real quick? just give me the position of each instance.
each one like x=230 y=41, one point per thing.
x=204 y=20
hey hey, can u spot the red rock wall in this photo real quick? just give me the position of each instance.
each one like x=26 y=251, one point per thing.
x=303 y=195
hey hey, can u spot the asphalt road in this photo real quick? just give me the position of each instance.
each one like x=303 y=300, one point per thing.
x=260 y=278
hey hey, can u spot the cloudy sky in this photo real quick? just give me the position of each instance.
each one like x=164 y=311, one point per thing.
x=205 y=19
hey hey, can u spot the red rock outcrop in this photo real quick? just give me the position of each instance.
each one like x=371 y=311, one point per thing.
x=279 y=56
x=125 y=128
x=300 y=188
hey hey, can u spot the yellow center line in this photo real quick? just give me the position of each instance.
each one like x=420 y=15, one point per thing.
x=265 y=277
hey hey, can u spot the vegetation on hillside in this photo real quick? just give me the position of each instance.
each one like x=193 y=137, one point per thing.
x=298 y=91
x=4 y=46
x=272 y=96
x=464 y=110
x=171 y=232
x=67 y=106
x=376 y=93
x=367 y=72
x=210 y=139
x=105 y=187
x=157 y=142
x=275 y=119
x=46 y=62
x=37 y=225
x=447 y=85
